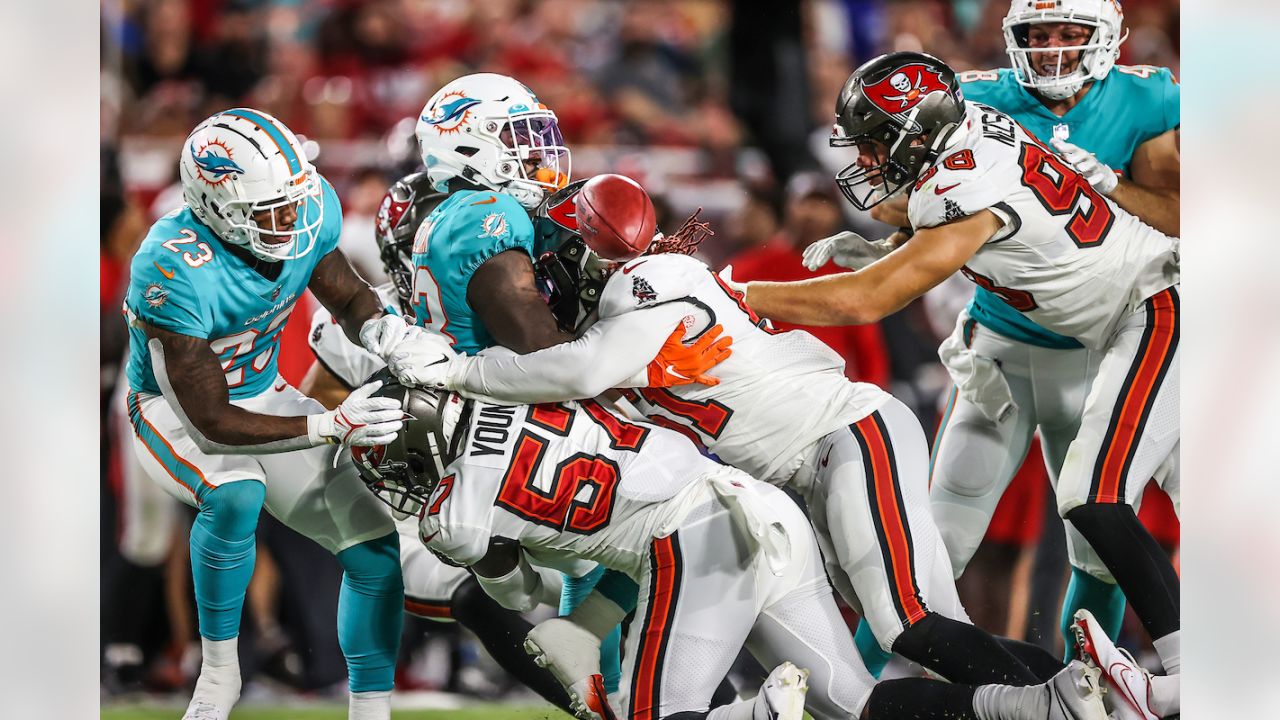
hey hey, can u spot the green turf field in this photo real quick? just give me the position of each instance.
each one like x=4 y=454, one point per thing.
x=478 y=712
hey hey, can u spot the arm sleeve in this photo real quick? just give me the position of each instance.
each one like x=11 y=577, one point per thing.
x=611 y=353
x=345 y=360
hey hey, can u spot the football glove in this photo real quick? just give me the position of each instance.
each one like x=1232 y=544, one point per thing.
x=422 y=360
x=382 y=334
x=1099 y=174
x=680 y=364
x=847 y=249
x=360 y=421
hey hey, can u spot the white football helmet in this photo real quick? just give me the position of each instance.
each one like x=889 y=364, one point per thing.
x=241 y=162
x=492 y=131
x=1098 y=55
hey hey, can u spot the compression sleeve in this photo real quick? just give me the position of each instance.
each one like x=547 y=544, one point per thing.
x=612 y=353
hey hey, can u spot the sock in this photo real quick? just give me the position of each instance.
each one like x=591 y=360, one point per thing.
x=873 y=656
x=502 y=632
x=1169 y=648
x=622 y=590
x=921 y=699
x=371 y=705
x=598 y=614
x=1166 y=697
x=219 y=681
x=1006 y=702
x=574 y=592
x=222 y=555
x=961 y=653
x=1138 y=563
x=371 y=613
x=1103 y=599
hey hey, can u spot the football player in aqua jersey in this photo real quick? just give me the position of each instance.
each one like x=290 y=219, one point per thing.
x=1065 y=88
x=988 y=199
x=497 y=151
x=209 y=292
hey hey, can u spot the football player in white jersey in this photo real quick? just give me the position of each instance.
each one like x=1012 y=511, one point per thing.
x=1064 y=88
x=782 y=411
x=991 y=201
x=722 y=560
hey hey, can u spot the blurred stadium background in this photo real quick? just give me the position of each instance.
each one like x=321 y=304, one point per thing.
x=718 y=104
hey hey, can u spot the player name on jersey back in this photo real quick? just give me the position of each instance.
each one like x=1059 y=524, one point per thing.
x=1067 y=257
x=567 y=480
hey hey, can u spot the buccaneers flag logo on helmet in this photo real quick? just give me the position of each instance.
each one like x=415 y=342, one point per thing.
x=904 y=89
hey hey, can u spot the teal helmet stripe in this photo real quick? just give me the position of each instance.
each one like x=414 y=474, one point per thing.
x=286 y=149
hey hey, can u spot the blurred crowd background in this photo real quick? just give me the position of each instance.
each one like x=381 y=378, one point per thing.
x=723 y=105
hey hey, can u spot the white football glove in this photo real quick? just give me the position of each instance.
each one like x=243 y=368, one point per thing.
x=360 y=420
x=1099 y=174
x=847 y=249
x=422 y=359
x=727 y=276
x=381 y=335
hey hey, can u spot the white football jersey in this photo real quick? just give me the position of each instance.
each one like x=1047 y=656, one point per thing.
x=570 y=481
x=1067 y=257
x=779 y=392
x=347 y=361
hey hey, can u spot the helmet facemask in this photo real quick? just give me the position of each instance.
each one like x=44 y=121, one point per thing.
x=257 y=224
x=533 y=159
x=405 y=472
x=1097 y=55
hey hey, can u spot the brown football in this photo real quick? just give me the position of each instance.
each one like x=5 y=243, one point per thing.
x=615 y=217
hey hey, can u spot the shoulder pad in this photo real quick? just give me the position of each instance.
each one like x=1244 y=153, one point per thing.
x=651 y=280
x=955 y=187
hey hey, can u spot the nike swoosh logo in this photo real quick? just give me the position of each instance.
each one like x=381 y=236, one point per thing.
x=939 y=190
x=1121 y=675
x=629 y=268
x=486 y=201
x=167 y=273
x=428 y=538
x=671 y=370
x=826 y=457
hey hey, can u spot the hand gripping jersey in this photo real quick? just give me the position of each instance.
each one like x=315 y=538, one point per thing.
x=778 y=394
x=465 y=230
x=1067 y=258
x=1146 y=98
x=345 y=360
x=566 y=480
x=184 y=280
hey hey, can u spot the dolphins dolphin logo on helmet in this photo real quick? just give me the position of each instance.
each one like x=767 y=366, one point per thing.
x=219 y=166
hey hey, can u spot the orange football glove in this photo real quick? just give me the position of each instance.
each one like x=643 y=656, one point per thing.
x=680 y=364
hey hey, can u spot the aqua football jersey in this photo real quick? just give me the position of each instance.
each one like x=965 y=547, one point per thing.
x=184 y=280
x=465 y=230
x=1128 y=107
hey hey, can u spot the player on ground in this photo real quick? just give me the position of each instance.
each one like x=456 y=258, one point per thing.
x=209 y=292
x=1062 y=86
x=722 y=560
x=497 y=151
x=991 y=201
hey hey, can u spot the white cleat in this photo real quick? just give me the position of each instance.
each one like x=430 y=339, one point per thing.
x=1075 y=694
x=1127 y=684
x=781 y=696
x=572 y=654
x=203 y=710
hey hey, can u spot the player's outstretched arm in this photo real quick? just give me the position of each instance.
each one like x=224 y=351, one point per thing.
x=347 y=297
x=1155 y=193
x=615 y=352
x=507 y=577
x=883 y=287
x=191 y=378
x=504 y=296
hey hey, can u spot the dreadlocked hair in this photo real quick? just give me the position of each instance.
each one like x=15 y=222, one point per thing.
x=684 y=241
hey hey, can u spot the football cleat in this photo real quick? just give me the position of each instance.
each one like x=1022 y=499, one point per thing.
x=203 y=710
x=572 y=654
x=781 y=696
x=1127 y=684
x=1074 y=694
